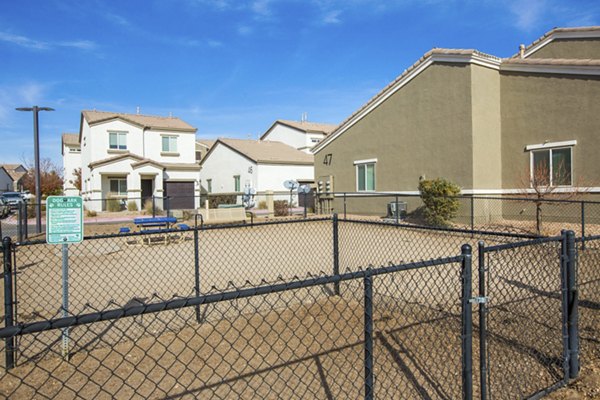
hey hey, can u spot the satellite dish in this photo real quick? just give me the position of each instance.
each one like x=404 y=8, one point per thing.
x=290 y=184
x=304 y=189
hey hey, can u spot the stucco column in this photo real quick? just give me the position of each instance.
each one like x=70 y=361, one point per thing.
x=158 y=190
x=134 y=189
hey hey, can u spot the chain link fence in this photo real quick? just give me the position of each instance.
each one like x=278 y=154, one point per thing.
x=320 y=308
x=523 y=214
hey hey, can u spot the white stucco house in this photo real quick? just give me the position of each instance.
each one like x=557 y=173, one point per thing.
x=71 y=154
x=133 y=157
x=233 y=164
x=301 y=135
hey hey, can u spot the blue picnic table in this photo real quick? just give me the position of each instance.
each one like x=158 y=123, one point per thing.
x=154 y=224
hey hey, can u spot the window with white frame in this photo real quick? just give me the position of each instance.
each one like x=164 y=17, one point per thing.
x=117 y=140
x=169 y=144
x=365 y=175
x=551 y=164
x=118 y=186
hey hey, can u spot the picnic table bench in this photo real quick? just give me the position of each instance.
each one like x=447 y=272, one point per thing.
x=156 y=224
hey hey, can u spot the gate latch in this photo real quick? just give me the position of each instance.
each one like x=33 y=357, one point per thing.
x=479 y=300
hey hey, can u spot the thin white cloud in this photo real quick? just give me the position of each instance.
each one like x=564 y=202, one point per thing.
x=332 y=17
x=214 y=43
x=528 y=13
x=79 y=44
x=245 y=30
x=29 y=43
x=23 y=41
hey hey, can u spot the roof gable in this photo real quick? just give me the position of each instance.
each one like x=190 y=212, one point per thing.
x=463 y=56
x=583 y=32
x=264 y=152
x=302 y=127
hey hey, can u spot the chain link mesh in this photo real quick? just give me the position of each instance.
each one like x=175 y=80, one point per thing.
x=588 y=275
x=302 y=342
x=524 y=322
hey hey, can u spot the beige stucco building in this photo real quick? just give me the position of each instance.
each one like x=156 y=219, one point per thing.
x=481 y=121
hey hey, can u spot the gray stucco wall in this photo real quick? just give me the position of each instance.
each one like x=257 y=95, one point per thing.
x=423 y=129
x=570 y=48
x=538 y=108
x=487 y=128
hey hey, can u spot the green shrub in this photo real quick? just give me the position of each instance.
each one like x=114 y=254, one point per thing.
x=262 y=205
x=132 y=206
x=90 y=213
x=113 y=205
x=281 y=208
x=215 y=200
x=148 y=208
x=440 y=204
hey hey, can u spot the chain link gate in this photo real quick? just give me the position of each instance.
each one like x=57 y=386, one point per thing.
x=527 y=309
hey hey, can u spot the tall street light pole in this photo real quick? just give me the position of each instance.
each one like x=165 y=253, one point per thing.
x=36 y=147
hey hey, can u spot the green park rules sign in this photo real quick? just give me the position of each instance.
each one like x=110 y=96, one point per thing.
x=64 y=219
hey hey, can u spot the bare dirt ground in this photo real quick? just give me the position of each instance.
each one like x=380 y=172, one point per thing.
x=586 y=387
x=297 y=344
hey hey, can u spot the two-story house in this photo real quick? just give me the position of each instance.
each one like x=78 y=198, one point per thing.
x=302 y=135
x=133 y=157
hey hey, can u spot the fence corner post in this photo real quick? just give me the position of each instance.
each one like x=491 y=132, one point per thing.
x=573 y=305
x=582 y=225
x=336 y=254
x=467 y=322
x=8 y=301
x=368 y=320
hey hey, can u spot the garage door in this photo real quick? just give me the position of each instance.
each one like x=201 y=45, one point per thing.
x=181 y=195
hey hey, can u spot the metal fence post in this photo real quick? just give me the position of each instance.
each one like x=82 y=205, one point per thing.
x=368 y=283
x=19 y=223
x=397 y=211
x=197 y=271
x=345 y=217
x=336 y=254
x=582 y=225
x=26 y=226
x=564 y=304
x=153 y=206
x=483 y=372
x=467 y=323
x=8 y=302
x=304 y=196
x=472 y=215
x=573 y=309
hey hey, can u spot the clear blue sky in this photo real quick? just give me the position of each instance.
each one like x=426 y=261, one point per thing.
x=232 y=67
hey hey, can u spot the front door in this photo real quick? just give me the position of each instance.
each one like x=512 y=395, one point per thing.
x=147 y=190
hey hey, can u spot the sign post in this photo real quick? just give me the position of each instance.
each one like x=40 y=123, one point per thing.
x=64 y=225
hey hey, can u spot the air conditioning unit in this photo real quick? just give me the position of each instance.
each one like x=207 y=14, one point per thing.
x=396 y=209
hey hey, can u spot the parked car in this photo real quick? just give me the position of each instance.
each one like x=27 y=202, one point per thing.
x=4 y=208
x=13 y=199
x=27 y=196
